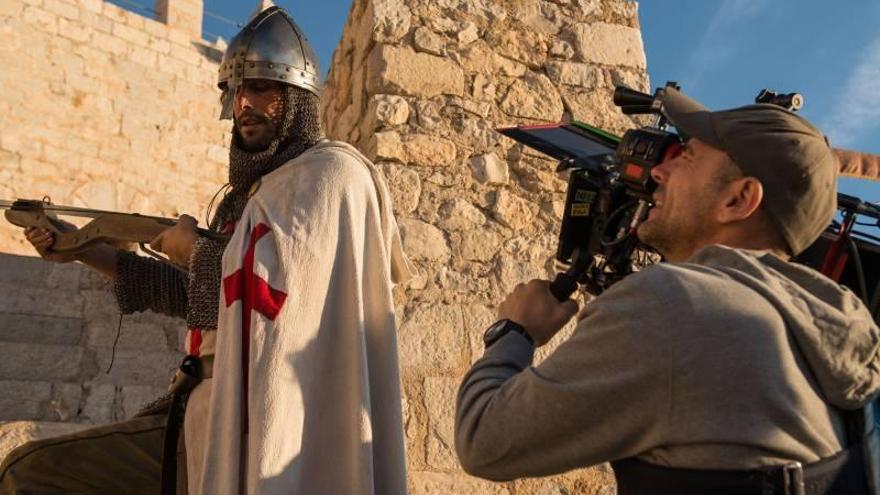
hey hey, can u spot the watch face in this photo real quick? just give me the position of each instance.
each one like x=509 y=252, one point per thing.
x=494 y=332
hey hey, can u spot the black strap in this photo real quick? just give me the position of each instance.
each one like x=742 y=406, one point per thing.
x=169 y=446
x=841 y=474
x=192 y=371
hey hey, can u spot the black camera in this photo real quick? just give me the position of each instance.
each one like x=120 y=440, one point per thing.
x=609 y=190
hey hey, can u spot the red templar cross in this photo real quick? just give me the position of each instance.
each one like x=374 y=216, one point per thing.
x=255 y=295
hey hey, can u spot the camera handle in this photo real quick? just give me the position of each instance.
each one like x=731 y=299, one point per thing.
x=566 y=283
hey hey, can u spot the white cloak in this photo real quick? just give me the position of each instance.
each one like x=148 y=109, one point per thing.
x=307 y=323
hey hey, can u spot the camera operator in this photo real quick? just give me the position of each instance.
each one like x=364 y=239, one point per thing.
x=726 y=369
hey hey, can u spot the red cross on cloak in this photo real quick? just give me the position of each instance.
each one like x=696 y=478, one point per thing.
x=255 y=295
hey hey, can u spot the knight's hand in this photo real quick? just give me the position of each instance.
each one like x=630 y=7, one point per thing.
x=177 y=242
x=42 y=240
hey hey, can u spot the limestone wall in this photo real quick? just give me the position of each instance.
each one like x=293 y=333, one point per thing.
x=101 y=107
x=420 y=85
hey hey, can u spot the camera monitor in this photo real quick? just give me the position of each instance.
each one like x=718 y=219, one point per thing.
x=565 y=142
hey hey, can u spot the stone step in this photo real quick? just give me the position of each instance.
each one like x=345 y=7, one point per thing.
x=32 y=271
x=44 y=301
x=40 y=329
x=27 y=361
x=23 y=399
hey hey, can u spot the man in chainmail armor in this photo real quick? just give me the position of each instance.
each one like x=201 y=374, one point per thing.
x=269 y=79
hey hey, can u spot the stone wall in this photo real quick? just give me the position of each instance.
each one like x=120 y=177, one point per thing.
x=103 y=108
x=420 y=85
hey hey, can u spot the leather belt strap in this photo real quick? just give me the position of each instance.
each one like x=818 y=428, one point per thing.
x=192 y=370
x=841 y=474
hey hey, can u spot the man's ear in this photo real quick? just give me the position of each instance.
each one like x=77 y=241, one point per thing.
x=740 y=199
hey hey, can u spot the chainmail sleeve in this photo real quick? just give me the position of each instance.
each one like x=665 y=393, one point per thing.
x=143 y=283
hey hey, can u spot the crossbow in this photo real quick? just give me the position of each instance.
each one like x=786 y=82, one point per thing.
x=106 y=226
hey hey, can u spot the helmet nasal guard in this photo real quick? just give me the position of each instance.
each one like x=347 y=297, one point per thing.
x=272 y=47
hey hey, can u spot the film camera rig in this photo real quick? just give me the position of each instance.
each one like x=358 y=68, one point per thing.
x=609 y=190
x=610 y=187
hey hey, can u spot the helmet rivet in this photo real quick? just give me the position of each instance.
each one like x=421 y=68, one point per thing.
x=287 y=69
x=271 y=65
x=283 y=76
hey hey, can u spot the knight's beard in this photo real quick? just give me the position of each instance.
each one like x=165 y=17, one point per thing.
x=260 y=141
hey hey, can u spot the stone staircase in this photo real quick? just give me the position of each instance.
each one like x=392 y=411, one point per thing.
x=58 y=323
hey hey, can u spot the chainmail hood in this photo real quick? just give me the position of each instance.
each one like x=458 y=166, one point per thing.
x=299 y=130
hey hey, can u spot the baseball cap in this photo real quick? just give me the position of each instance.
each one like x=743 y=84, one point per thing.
x=788 y=155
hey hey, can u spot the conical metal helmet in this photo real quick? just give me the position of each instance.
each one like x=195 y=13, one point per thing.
x=273 y=47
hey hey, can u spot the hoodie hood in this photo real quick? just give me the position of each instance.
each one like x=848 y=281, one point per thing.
x=832 y=327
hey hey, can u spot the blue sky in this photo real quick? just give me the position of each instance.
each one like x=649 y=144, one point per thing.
x=722 y=52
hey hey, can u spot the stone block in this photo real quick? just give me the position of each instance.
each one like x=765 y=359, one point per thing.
x=489 y=169
x=131 y=35
x=389 y=110
x=62 y=9
x=432 y=338
x=417 y=149
x=40 y=19
x=32 y=271
x=527 y=47
x=390 y=19
x=132 y=367
x=73 y=30
x=609 y=44
x=513 y=211
x=440 y=394
x=24 y=328
x=533 y=97
x=398 y=70
x=459 y=214
x=425 y=40
x=479 y=244
x=65 y=403
x=561 y=49
x=38 y=301
x=99 y=403
x=405 y=186
x=40 y=362
x=467 y=34
x=23 y=399
x=423 y=241
x=574 y=74
x=431 y=483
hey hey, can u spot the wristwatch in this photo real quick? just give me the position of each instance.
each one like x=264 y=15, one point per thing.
x=501 y=328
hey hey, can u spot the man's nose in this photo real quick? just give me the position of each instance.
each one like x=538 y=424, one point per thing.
x=660 y=172
x=244 y=99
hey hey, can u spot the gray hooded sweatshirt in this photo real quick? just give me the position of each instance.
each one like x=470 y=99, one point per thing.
x=732 y=360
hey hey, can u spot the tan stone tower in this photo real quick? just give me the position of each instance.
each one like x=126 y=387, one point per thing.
x=420 y=86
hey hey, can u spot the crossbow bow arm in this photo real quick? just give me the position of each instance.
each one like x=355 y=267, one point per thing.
x=106 y=226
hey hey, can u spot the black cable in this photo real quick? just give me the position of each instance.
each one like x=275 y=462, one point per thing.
x=223 y=188
x=116 y=341
x=860 y=274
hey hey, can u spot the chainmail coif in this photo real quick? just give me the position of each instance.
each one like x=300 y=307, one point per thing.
x=299 y=130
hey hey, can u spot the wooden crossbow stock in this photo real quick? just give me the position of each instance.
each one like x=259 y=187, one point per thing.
x=106 y=226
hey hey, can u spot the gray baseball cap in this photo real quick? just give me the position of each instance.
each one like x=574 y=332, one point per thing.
x=790 y=157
